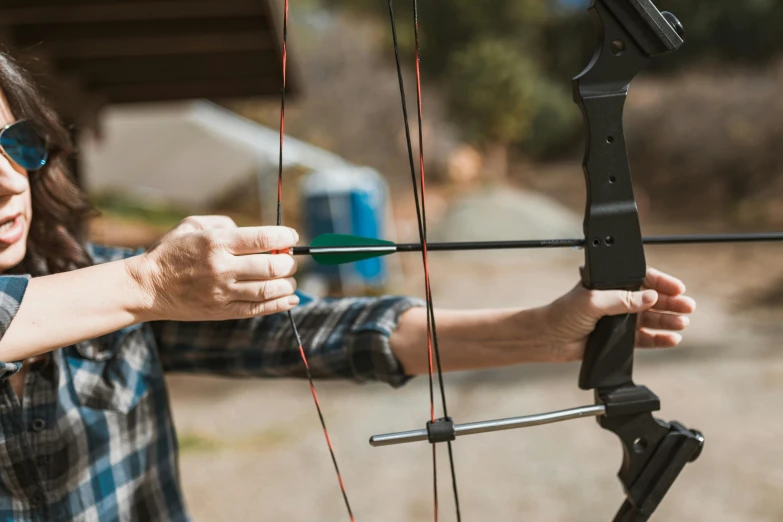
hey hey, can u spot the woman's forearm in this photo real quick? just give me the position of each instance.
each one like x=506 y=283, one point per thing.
x=472 y=339
x=62 y=309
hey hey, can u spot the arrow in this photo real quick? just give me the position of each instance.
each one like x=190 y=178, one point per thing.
x=338 y=249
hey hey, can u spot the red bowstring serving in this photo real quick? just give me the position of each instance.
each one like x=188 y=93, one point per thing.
x=431 y=331
x=424 y=225
x=428 y=291
x=282 y=118
x=290 y=315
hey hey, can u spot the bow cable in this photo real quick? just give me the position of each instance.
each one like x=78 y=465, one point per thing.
x=290 y=315
x=421 y=215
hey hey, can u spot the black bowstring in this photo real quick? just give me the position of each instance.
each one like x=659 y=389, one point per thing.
x=295 y=330
x=422 y=226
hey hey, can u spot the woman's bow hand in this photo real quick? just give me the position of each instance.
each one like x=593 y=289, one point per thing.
x=661 y=304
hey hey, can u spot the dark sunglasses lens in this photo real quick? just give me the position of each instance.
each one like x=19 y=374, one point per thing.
x=23 y=144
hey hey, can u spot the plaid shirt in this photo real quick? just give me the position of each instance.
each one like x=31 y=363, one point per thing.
x=93 y=437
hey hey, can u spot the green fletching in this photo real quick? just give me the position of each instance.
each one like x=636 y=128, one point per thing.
x=348 y=249
x=344 y=240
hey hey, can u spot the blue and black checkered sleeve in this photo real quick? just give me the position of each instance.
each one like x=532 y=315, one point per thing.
x=344 y=338
x=12 y=290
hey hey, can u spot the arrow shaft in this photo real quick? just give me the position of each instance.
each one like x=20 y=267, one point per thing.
x=714 y=238
x=385 y=249
x=536 y=244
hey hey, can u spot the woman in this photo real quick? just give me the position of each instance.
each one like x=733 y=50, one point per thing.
x=86 y=332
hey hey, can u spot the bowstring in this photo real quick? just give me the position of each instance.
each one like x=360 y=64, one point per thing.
x=421 y=215
x=295 y=330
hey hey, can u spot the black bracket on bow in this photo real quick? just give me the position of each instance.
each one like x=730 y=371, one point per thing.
x=441 y=430
x=630 y=32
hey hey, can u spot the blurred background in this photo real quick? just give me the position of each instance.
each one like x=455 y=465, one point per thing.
x=175 y=107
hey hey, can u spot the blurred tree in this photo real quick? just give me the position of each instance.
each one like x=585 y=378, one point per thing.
x=505 y=64
x=500 y=96
x=490 y=62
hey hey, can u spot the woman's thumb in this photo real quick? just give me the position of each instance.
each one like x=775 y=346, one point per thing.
x=620 y=302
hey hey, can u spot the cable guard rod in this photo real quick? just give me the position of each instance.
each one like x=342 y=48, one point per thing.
x=471 y=428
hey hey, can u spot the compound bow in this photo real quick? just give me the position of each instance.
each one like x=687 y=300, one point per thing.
x=630 y=34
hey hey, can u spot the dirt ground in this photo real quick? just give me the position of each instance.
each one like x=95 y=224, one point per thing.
x=253 y=450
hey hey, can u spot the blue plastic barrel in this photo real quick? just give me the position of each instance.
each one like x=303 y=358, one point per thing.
x=346 y=200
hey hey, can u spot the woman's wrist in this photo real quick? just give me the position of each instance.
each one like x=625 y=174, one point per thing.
x=532 y=330
x=140 y=298
x=69 y=307
x=476 y=339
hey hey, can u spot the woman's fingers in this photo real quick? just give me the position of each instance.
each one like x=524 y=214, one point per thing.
x=255 y=240
x=657 y=326
x=659 y=321
x=663 y=283
x=259 y=291
x=675 y=304
x=651 y=339
x=245 y=309
x=616 y=302
x=257 y=267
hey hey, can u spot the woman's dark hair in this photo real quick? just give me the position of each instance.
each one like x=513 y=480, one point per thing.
x=60 y=209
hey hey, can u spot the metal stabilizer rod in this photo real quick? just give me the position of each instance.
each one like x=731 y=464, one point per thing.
x=471 y=428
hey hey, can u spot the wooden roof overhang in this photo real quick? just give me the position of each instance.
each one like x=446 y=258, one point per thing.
x=90 y=53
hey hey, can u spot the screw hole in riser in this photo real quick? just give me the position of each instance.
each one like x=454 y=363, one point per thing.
x=640 y=445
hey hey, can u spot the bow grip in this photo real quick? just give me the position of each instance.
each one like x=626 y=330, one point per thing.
x=608 y=359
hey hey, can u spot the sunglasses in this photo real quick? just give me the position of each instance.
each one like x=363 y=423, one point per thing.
x=23 y=144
